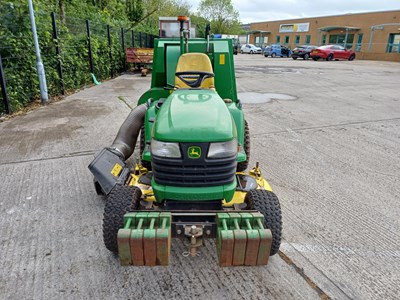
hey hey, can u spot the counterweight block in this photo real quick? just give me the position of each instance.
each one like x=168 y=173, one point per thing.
x=242 y=239
x=145 y=239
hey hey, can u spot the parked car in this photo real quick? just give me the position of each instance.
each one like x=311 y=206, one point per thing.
x=303 y=51
x=277 y=50
x=250 y=48
x=330 y=52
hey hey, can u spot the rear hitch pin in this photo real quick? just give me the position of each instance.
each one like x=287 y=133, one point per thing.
x=195 y=234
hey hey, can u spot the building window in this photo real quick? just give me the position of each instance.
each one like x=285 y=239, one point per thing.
x=287 y=39
x=394 y=43
x=297 y=39
x=278 y=39
x=359 y=42
x=323 y=39
x=308 y=39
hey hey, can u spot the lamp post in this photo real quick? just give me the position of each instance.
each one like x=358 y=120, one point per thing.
x=39 y=63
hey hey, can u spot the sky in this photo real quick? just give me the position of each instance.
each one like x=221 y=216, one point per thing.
x=252 y=11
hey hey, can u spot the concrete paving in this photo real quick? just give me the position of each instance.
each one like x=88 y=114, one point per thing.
x=327 y=135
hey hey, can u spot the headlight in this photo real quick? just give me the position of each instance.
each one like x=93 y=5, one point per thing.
x=224 y=149
x=165 y=149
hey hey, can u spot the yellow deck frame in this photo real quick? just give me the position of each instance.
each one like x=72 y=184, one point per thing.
x=238 y=197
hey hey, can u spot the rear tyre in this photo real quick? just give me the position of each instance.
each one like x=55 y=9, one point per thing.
x=121 y=199
x=242 y=166
x=315 y=58
x=306 y=56
x=267 y=203
x=329 y=57
x=352 y=57
x=273 y=55
x=241 y=51
x=294 y=58
x=251 y=51
x=266 y=55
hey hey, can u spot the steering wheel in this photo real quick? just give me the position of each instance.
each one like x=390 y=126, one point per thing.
x=194 y=79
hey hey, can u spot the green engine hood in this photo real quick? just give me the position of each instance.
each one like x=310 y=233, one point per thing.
x=194 y=116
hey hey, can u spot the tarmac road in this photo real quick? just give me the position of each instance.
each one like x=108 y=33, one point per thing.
x=327 y=136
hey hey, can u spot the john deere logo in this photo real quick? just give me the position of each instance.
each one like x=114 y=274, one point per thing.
x=194 y=152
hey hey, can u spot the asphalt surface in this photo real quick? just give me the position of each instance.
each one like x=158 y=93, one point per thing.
x=327 y=136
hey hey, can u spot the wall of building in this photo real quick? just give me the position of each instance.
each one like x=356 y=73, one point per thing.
x=377 y=49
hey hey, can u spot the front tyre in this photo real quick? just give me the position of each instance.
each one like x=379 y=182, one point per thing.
x=242 y=166
x=329 y=57
x=267 y=203
x=121 y=199
x=306 y=56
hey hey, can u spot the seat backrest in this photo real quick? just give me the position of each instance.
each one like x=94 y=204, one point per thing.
x=194 y=62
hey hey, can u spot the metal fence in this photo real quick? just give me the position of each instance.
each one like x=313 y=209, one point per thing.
x=75 y=52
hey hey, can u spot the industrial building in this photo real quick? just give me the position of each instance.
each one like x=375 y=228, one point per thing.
x=373 y=35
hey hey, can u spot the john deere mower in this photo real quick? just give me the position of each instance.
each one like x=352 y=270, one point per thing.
x=191 y=181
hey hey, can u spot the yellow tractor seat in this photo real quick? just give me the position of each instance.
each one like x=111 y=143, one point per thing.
x=194 y=70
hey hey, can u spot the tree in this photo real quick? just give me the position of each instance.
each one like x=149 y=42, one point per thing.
x=134 y=10
x=200 y=24
x=223 y=16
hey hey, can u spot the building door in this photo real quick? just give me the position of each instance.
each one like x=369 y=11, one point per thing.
x=259 y=41
x=340 y=39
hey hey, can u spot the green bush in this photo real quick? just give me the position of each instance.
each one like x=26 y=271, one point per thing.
x=18 y=52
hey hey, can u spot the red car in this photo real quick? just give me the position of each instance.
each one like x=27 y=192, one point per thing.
x=330 y=52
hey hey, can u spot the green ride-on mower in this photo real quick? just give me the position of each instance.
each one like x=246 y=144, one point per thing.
x=191 y=181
